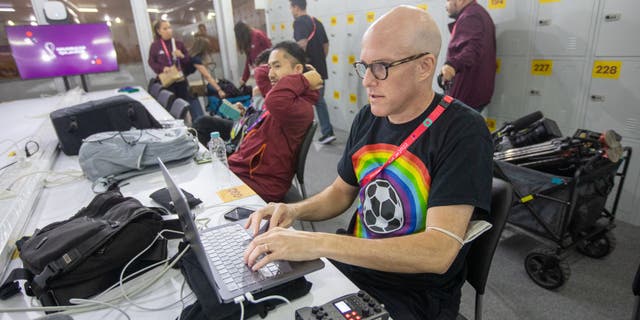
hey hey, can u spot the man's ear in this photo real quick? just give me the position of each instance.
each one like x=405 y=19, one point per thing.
x=298 y=68
x=427 y=66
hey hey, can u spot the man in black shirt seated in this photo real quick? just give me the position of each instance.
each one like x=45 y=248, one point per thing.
x=415 y=203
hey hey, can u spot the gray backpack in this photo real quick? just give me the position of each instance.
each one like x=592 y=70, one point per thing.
x=113 y=156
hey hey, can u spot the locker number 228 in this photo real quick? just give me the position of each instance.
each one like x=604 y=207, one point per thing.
x=606 y=69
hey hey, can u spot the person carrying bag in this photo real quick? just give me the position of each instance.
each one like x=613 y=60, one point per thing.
x=173 y=73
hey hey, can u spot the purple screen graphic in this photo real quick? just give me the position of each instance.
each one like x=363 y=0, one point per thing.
x=62 y=50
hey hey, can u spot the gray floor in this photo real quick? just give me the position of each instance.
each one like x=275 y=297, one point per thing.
x=597 y=288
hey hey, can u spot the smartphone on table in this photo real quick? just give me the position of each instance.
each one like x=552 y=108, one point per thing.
x=238 y=213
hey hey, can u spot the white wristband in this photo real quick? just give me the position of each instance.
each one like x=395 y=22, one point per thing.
x=449 y=233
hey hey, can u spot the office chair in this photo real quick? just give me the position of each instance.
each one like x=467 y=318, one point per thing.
x=166 y=98
x=636 y=292
x=154 y=89
x=300 y=193
x=482 y=249
x=179 y=109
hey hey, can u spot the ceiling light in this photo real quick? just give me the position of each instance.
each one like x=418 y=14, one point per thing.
x=32 y=18
x=11 y=23
x=153 y=10
x=9 y=9
x=33 y=23
x=164 y=16
x=118 y=20
x=87 y=10
x=107 y=18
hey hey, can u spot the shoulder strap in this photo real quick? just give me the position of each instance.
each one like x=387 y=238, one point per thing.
x=417 y=132
x=313 y=32
x=10 y=286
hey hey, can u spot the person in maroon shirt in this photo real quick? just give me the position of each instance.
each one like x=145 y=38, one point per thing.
x=267 y=155
x=251 y=42
x=162 y=55
x=471 y=54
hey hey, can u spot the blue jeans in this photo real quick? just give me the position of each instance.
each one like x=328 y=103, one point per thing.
x=323 y=114
x=195 y=108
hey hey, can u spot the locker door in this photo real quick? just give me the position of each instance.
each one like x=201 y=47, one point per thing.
x=613 y=103
x=558 y=94
x=562 y=28
x=334 y=94
x=509 y=99
x=512 y=20
x=323 y=7
x=619 y=24
x=335 y=26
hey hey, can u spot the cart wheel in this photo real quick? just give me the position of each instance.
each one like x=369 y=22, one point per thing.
x=545 y=268
x=598 y=246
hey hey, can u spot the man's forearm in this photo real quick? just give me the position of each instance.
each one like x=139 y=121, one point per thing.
x=426 y=252
x=329 y=203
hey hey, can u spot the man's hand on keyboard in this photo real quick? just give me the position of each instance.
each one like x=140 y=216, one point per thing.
x=281 y=244
x=279 y=215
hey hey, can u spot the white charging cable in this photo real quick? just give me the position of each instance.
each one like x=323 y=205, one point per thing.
x=112 y=306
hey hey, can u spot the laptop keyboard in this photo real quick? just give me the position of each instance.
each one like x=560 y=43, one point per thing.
x=225 y=248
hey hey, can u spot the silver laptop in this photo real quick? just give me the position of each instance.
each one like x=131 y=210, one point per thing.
x=220 y=251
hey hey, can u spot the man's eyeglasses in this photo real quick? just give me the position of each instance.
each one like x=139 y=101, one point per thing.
x=380 y=70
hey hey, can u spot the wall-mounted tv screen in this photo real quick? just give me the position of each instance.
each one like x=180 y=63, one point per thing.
x=46 y=51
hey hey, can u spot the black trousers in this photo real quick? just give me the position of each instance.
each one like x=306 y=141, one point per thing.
x=207 y=124
x=402 y=302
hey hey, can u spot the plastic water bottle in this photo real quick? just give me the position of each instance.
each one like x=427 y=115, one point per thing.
x=217 y=148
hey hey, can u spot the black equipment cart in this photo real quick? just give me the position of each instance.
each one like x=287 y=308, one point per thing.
x=561 y=188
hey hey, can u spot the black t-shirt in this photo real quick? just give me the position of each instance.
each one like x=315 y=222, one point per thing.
x=189 y=69
x=302 y=29
x=449 y=164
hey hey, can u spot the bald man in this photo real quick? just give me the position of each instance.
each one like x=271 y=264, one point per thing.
x=404 y=246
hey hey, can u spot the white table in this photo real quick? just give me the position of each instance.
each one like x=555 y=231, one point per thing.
x=203 y=181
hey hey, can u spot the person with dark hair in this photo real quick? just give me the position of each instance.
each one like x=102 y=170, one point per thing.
x=311 y=36
x=251 y=42
x=471 y=54
x=163 y=55
x=208 y=124
x=267 y=155
x=266 y=158
x=419 y=164
x=199 y=58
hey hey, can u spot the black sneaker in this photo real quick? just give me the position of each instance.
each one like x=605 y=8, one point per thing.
x=327 y=139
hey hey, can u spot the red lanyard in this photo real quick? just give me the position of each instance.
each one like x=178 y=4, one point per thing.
x=313 y=33
x=166 y=51
x=431 y=118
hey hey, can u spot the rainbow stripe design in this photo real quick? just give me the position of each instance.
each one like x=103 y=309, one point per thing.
x=408 y=176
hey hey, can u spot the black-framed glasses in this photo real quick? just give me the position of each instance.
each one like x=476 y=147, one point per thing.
x=380 y=70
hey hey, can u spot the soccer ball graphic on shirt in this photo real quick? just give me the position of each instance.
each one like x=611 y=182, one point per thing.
x=382 y=209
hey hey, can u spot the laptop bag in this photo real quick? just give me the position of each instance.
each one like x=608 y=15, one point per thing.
x=117 y=113
x=85 y=254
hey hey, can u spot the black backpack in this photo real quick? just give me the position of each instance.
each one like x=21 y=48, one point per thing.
x=84 y=255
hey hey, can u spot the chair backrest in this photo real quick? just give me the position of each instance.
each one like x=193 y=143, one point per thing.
x=154 y=89
x=482 y=249
x=302 y=156
x=179 y=108
x=165 y=98
x=636 y=292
